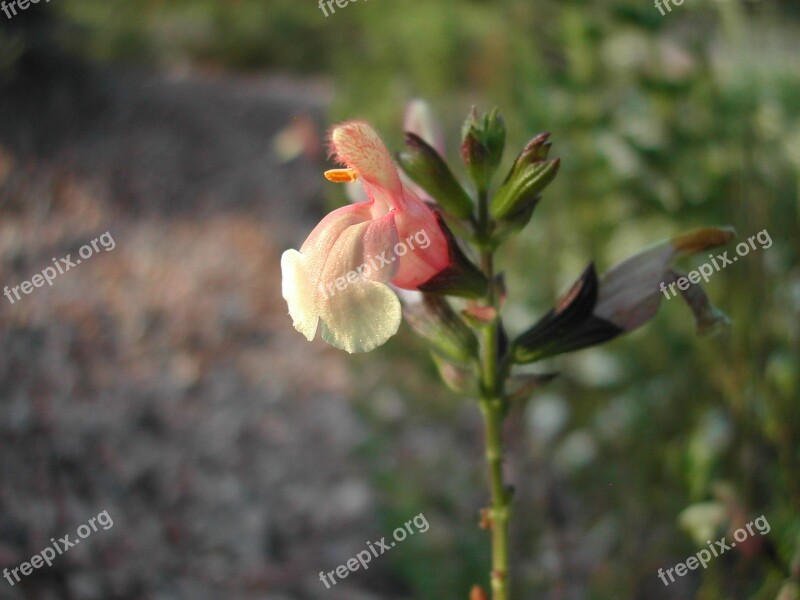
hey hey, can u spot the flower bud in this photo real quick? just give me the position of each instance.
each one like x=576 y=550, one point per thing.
x=482 y=146
x=435 y=320
x=528 y=177
x=535 y=150
x=429 y=171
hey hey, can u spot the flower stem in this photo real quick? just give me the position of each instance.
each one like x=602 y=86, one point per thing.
x=493 y=407
x=500 y=512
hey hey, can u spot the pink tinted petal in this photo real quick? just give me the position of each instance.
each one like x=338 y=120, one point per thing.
x=358 y=312
x=420 y=238
x=356 y=250
x=324 y=235
x=358 y=146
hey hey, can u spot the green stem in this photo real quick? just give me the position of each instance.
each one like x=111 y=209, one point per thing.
x=500 y=511
x=493 y=408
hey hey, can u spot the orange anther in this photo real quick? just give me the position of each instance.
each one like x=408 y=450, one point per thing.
x=341 y=175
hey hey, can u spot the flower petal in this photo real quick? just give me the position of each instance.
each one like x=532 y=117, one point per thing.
x=707 y=317
x=365 y=249
x=358 y=146
x=302 y=270
x=630 y=292
x=336 y=271
x=426 y=247
x=362 y=317
x=299 y=292
x=702 y=239
x=359 y=312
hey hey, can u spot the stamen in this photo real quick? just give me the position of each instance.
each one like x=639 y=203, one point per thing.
x=341 y=175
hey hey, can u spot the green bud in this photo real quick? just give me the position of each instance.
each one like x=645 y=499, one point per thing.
x=436 y=321
x=482 y=146
x=522 y=187
x=428 y=170
x=535 y=150
x=513 y=224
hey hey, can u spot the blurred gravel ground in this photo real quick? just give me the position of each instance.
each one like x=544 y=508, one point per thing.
x=161 y=381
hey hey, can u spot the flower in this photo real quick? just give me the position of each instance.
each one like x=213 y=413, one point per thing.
x=337 y=281
x=596 y=310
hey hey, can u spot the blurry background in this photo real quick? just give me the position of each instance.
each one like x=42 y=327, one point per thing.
x=162 y=381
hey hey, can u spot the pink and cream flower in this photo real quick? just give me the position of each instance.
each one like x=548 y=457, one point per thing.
x=364 y=313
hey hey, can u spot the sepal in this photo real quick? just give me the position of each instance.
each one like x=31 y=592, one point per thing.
x=461 y=277
x=428 y=170
x=569 y=326
x=435 y=320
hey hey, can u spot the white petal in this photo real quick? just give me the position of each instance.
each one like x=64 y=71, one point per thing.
x=298 y=292
x=361 y=317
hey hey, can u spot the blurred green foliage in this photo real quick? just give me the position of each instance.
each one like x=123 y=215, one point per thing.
x=663 y=124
